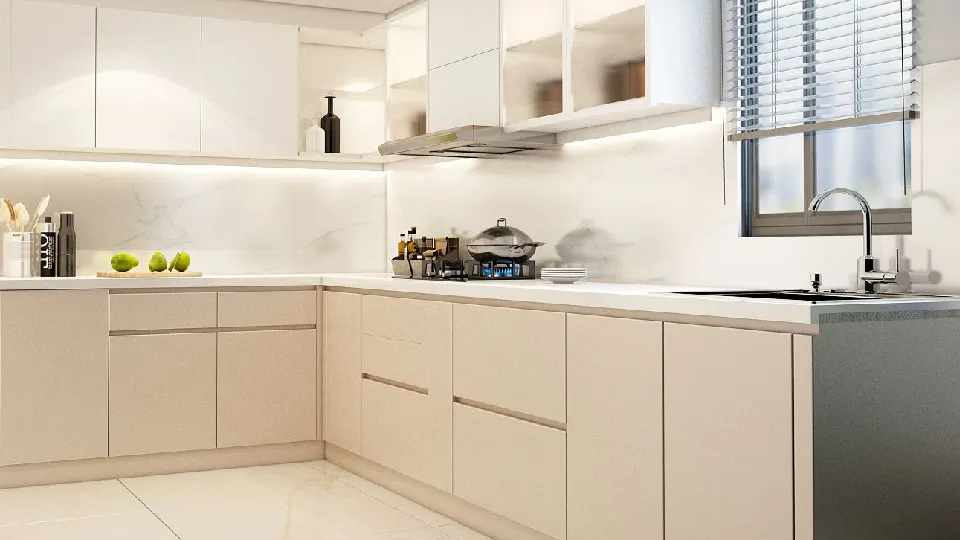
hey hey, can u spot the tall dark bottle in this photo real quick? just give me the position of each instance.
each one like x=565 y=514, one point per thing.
x=331 y=129
x=48 y=249
x=66 y=247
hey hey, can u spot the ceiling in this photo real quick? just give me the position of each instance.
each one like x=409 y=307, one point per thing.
x=374 y=6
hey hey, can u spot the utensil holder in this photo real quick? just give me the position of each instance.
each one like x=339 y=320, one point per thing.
x=20 y=255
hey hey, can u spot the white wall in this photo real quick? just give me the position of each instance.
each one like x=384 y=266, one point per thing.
x=656 y=207
x=936 y=26
x=230 y=219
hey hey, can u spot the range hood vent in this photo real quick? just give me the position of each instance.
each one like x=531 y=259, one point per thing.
x=470 y=142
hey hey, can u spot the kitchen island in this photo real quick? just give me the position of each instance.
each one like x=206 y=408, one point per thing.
x=525 y=410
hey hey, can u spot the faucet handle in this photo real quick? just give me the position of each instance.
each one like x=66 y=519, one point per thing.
x=815 y=282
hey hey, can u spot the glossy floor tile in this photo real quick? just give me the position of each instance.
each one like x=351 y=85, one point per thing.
x=301 y=501
x=67 y=501
x=383 y=494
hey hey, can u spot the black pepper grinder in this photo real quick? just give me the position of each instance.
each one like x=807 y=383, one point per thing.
x=66 y=247
x=331 y=129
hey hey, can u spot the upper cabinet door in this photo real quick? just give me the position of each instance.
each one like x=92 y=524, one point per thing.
x=148 y=81
x=464 y=93
x=684 y=71
x=459 y=29
x=53 y=71
x=250 y=74
x=4 y=73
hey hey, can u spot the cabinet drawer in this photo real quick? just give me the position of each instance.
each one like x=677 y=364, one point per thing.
x=408 y=432
x=163 y=393
x=163 y=311
x=511 y=358
x=406 y=340
x=267 y=308
x=266 y=387
x=511 y=467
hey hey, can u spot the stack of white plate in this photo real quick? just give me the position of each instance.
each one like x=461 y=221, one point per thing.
x=563 y=275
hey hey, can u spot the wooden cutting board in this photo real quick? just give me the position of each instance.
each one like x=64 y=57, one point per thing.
x=142 y=275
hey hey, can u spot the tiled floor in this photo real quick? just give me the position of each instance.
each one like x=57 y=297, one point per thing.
x=298 y=501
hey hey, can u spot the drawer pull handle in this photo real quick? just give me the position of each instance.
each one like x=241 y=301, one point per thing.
x=395 y=384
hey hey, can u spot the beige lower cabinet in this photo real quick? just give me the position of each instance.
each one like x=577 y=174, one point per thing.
x=53 y=375
x=513 y=359
x=511 y=467
x=728 y=442
x=407 y=400
x=341 y=370
x=406 y=431
x=266 y=387
x=614 y=429
x=163 y=393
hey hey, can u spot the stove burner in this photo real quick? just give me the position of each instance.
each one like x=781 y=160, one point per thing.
x=457 y=270
x=501 y=270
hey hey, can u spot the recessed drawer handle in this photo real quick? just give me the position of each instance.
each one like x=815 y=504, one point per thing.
x=523 y=417
x=395 y=384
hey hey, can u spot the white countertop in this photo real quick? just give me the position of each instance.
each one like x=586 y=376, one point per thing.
x=91 y=282
x=630 y=297
x=638 y=297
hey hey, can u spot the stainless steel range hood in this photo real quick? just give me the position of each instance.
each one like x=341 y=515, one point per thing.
x=470 y=142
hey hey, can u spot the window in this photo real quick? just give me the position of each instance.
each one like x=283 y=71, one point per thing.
x=821 y=95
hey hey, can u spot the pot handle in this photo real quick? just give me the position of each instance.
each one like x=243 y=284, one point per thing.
x=502 y=222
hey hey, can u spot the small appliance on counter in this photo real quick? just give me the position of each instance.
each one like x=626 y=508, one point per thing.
x=497 y=253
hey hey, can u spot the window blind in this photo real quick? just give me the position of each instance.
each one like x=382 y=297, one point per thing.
x=793 y=66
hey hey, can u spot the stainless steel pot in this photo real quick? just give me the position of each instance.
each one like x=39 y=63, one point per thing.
x=502 y=243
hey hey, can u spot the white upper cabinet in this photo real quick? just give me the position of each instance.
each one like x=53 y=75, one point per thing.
x=148 y=81
x=698 y=53
x=250 y=83
x=52 y=74
x=4 y=73
x=460 y=29
x=407 y=75
x=574 y=64
x=464 y=93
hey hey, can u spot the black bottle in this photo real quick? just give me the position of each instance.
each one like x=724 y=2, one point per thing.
x=66 y=247
x=331 y=129
x=48 y=249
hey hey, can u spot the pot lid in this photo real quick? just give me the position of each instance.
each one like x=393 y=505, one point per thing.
x=502 y=235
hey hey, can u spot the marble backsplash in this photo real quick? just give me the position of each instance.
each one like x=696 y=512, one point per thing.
x=230 y=219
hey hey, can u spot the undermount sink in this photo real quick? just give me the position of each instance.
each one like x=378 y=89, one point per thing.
x=805 y=296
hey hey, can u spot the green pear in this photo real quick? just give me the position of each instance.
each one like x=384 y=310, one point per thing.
x=158 y=263
x=124 y=262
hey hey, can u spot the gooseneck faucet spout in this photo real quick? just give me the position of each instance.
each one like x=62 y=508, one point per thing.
x=868 y=274
x=864 y=209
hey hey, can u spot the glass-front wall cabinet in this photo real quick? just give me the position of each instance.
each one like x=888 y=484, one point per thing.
x=608 y=62
x=533 y=45
x=407 y=75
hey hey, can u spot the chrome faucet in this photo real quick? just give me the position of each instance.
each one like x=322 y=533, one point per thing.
x=869 y=276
